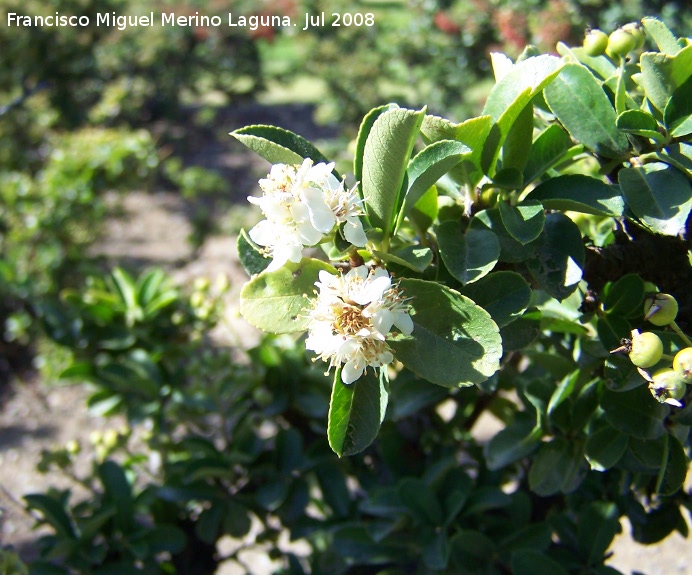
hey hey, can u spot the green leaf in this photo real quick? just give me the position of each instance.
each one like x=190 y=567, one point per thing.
x=421 y=501
x=674 y=469
x=625 y=297
x=659 y=195
x=510 y=249
x=469 y=256
x=662 y=74
x=634 y=412
x=677 y=115
x=583 y=108
x=148 y=285
x=165 y=538
x=529 y=562
x=412 y=395
x=605 y=447
x=579 y=193
x=386 y=156
x=504 y=295
x=639 y=123
x=547 y=150
x=517 y=144
x=619 y=372
x=356 y=412
x=559 y=260
x=473 y=132
x=661 y=34
x=53 y=512
x=363 y=132
x=520 y=333
x=278 y=146
x=118 y=491
x=598 y=524
x=611 y=329
x=511 y=444
x=471 y=551
x=425 y=211
x=416 y=258
x=276 y=301
x=428 y=166
x=527 y=77
x=559 y=467
x=435 y=553
x=525 y=221
x=127 y=290
x=250 y=254
x=511 y=95
x=454 y=341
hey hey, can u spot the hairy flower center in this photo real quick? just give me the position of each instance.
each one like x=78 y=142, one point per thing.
x=350 y=321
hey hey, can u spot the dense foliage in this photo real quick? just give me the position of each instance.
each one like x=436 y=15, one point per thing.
x=519 y=264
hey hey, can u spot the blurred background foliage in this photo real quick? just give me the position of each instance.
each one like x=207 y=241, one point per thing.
x=90 y=111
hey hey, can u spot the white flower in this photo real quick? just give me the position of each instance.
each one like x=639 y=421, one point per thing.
x=302 y=204
x=351 y=318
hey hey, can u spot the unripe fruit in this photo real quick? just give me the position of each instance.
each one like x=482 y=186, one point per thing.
x=682 y=364
x=647 y=349
x=620 y=43
x=638 y=34
x=595 y=42
x=660 y=309
x=667 y=387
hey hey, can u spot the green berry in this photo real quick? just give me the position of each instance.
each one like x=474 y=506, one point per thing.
x=682 y=364
x=620 y=43
x=668 y=387
x=595 y=42
x=660 y=309
x=635 y=28
x=647 y=349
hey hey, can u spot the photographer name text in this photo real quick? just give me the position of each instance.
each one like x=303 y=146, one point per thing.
x=167 y=19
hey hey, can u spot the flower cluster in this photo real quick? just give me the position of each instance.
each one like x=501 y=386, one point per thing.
x=351 y=318
x=302 y=204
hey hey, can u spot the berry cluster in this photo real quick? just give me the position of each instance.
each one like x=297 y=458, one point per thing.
x=667 y=384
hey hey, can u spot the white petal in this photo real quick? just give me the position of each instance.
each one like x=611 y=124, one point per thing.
x=354 y=232
x=404 y=322
x=309 y=236
x=373 y=290
x=264 y=233
x=383 y=320
x=321 y=215
x=351 y=371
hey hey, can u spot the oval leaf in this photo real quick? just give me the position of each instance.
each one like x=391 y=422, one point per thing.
x=469 y=256
x=433 y=162
x=634 y=412
x=386 y=155
x=559 y=260
x=580 y=194
x=605 y=447
x=525 y=221
x=275 y=301
x=582 y=106
x=356 y=412
x=454 y=341
x=659 y=195
x=504 y=295
x=278 y=146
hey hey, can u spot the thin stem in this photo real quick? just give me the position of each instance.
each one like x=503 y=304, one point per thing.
x=674 y=326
